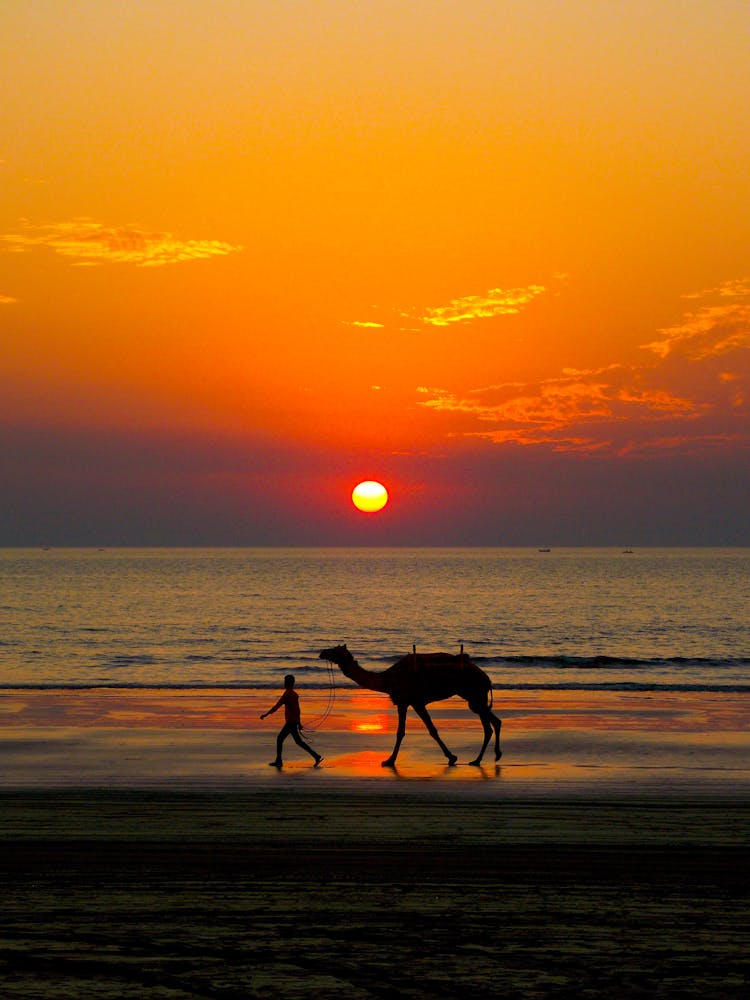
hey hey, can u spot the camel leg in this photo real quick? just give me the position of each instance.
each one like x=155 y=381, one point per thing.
x=489 y=722
x=497 y=724
x=400 y=732
x=424 y=715
x=487 y=726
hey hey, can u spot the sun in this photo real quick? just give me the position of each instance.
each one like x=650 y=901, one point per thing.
x=369 y=496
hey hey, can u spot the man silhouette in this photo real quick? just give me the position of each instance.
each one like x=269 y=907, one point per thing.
x=292 y=721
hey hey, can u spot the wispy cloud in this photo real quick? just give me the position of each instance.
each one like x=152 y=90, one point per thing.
x=545 y=412
x=737 y=288
x=365 y=324
x=495 y=302
x=86 y=242
x=691 y=395
x=7 y=300
x=466 y=309
x=720 y=326
x=681 y=444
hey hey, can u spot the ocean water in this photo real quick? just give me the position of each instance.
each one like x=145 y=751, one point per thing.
x=586 y=619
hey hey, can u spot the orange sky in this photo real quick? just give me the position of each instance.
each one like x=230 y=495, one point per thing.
x=493 y=253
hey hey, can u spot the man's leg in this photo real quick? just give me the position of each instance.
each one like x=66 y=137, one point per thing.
x=288 y=728
x=301 y=743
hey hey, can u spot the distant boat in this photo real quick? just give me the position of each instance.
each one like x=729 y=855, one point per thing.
x=627 y=552
x=545 y=549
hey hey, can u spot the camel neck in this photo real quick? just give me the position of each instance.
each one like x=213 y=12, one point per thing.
x=365 y=678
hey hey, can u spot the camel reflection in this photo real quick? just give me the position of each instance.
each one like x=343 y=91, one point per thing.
x=366 y=765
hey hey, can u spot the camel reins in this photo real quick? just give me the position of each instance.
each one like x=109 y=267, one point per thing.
x=317 y=723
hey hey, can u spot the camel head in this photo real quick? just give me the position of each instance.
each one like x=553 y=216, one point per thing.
x=336 y=654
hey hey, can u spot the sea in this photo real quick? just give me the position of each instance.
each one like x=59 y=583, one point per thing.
x=586 y=619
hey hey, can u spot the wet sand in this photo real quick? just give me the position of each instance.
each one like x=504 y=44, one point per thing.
x=169 y=894
x=569 y=744
x=145 y=854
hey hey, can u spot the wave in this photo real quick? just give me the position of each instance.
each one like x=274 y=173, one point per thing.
x=603 y=661
x=598 y=661
x=645 y=686
x=123 y=661
x=582 y=686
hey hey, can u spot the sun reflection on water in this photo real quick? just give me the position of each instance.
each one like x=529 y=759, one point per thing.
x=378 y=724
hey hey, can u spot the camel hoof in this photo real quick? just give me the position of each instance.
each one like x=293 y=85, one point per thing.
x=475 y=763
x=452 y=760
x=498 y=755
x=388 y=763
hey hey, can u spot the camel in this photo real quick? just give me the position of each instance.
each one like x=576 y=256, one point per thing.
x=419 y=678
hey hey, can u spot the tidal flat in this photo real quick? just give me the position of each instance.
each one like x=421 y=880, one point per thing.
x=262 y=893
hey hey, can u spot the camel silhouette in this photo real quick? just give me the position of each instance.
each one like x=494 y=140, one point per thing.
x=420 y=678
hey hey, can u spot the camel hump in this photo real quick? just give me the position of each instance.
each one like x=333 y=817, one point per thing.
x=439 y=662
x=447 y=659
x=430 y=660
x=444 y=659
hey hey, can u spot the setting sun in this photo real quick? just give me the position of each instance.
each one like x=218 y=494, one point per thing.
x=369 y=496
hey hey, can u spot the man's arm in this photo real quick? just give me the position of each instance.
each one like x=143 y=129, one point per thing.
x=275 y=708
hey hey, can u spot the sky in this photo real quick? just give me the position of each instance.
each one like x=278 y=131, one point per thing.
x=495 y=255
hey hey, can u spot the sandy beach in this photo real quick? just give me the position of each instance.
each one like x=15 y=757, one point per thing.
x=149 y=850
x=166 y=894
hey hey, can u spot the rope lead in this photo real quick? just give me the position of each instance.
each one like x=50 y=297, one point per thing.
x=318 y=722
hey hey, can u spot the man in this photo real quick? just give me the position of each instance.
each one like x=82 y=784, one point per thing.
x=292 y=717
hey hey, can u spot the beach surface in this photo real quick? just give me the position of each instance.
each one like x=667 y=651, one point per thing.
x=149 y=850
x=674 y=744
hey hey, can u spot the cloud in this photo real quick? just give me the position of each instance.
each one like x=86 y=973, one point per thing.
x=86 y=243
x=690 y=396
x=7 y=300
x=686 y=444
x=739 y=287
x=365 y=324
x=495 y=302
x=720 y=326
x=467 y=309
x=545 y=412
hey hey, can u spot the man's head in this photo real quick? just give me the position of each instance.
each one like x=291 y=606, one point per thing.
x=289 y=681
